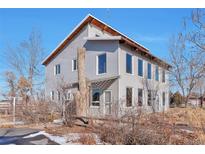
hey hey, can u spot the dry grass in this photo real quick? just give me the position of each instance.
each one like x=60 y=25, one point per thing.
x=176 y=126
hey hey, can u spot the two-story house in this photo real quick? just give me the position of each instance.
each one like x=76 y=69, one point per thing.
x=124 y=75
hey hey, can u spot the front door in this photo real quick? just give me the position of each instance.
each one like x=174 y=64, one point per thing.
x=108 y=102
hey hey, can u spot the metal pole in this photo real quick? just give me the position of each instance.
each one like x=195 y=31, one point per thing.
x=14 y=110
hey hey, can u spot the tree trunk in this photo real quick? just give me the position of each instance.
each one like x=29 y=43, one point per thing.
x=82 y=95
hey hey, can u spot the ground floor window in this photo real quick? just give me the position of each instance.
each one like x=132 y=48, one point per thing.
x=59 y=95
x=149 y=98
x=140 y=97
x=163 y=98
x=128 y=96
x=68 y=96
x=96 y=97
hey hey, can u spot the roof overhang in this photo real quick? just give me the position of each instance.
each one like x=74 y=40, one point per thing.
x=116 y=35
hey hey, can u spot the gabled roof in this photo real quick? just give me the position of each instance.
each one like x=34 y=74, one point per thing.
x=105 y=27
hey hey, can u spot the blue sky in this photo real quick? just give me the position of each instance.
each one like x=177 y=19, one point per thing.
x=150 y=27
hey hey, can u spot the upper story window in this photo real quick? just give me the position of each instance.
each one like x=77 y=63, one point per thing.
x=102 y=60
x=157 y=73
x=57 y=69
x=128 y=63
x=74 y=65
x=140 y=67
x=149 y=71
x=163 y=75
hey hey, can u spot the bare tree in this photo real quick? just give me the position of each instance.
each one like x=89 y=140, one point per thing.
x=197 y=35
x=187 y=66
x=11 y=82
x=25 y=59
x=152 y=88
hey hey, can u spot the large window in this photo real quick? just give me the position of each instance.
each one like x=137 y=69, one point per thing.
x=57 y=69
x=74 y=65
x=140 y=97
x=128 y=63
x=96 y=97
x=128 y=97
x=149 y=98
x=163 y=75
x=163 y=98
x=157 y=73
x=102 y=64
x=149 y=71
x=140 y=67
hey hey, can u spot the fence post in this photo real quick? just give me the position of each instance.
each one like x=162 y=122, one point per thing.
x=14 y=110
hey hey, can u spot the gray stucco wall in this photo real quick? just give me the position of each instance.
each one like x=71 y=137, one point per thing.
x=134 y=81
x=116 y=66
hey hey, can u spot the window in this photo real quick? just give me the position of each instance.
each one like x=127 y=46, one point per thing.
x=163 y=98
x=128 y=63
x=149 y=98
x=68 y=96
x=57 y=69
x=52 y=95
x=157 y=73
x=149 y=71
x=102 y=64
x=96 y=97
x=163 y=75
x=59 y=96
x=108 y=96
x=74 y=64
x=140 y=97
x=128 y=97
x=140 y=67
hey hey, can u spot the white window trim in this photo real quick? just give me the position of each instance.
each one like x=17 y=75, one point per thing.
x=52 y=95
x=132 y=63
x=97 y=64
x=93 y=106
x=73 y=65
x=110 y=93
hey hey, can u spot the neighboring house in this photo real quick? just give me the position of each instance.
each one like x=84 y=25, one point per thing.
x=196 y=100
x=125 y=76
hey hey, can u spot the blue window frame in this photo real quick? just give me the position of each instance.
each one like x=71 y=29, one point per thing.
x=102 y=63
x=128 y=63
x=149 y=71
x=140 y=67
x=157 y=73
